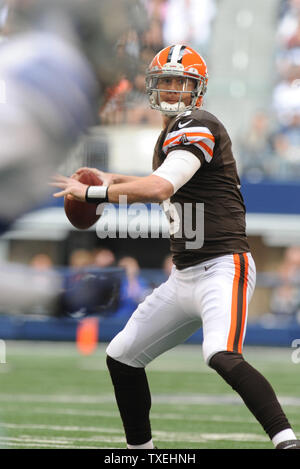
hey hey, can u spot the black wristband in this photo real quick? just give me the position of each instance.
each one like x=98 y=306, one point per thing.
x=98 y=195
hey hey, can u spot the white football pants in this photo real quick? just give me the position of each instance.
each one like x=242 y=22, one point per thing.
x=214 y=294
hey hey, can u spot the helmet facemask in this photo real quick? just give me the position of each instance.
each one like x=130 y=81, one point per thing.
x=169 y=108
x=176 y=62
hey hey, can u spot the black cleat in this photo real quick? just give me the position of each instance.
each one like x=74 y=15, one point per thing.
x=289 y=444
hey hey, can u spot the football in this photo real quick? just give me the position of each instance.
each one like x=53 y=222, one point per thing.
x=83 y=215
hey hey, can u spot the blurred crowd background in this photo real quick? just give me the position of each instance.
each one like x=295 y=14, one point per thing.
x=268 y=145
x=271 y=146
x=253 y=57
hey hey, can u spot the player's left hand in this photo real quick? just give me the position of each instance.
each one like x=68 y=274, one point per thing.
x=71 y=188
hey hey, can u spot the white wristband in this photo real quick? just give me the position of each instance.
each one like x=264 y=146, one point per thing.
x=96 y=194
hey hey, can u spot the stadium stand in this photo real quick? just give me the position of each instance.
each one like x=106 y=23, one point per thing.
x=240 y=77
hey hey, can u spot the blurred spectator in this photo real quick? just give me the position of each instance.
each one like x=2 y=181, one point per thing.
x=80 y=258
x=294 y=39
x=255 y=148
x=41 y=262
x=134 y=288
x=4 y=27
x=45 y=278
x=89 y=291
x=286 y=95
x=285 y=299
x=288 y=23
x=287 y=146
x=104 y=257
x=127 y=103
x=153 y=37
x=113 y=112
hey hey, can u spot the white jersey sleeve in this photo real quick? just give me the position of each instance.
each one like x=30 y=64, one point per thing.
x=178 y=168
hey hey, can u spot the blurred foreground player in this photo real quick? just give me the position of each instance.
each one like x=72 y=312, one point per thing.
x=52 y=66
x=212 y=281
x=53 y=63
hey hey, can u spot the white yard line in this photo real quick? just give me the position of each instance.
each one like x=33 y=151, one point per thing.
x=18 y=442
x=154 y=416
x=162 y=435
x=57 y=398
x=204 y=437
x=158 y=435
x=59 y=428
x=115 y=415
x=175 y=399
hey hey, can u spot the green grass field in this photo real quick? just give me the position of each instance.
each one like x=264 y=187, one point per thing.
x=53 y=397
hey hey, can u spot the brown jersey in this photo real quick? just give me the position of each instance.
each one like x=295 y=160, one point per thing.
x=214 y=188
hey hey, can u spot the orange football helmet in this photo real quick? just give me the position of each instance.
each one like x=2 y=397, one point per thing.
x=176 y=61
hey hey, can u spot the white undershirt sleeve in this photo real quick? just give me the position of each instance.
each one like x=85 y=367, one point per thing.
x=178 y=168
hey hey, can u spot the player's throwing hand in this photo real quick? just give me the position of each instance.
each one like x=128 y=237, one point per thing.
x=71 y=188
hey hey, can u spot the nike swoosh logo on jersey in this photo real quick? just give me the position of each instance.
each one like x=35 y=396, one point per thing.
x=183 y=125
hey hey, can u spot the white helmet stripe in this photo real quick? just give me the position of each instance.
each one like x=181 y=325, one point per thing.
x=176 y=54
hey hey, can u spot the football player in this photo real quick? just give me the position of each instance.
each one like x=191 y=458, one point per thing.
x=212 y=281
